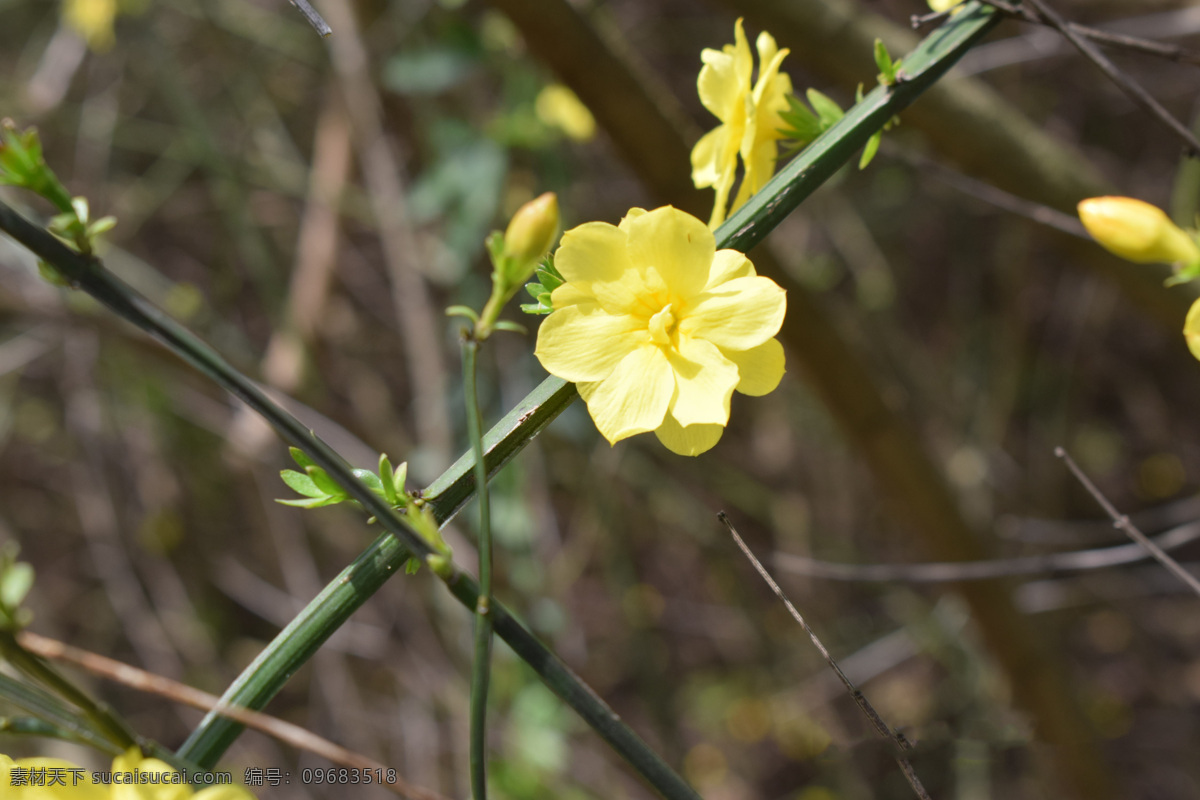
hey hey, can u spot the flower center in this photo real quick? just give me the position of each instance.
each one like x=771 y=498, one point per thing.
x=661 y=326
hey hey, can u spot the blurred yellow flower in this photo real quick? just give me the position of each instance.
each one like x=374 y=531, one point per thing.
x=1137 y=231
x=658 y=327
x=750 y=122
x=93 y=20
x=132 y=778
x=944 y=5
x=558 y=107
x=1191 y=329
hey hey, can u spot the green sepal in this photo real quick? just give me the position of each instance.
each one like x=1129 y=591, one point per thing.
x=511 y=327
x=412 y=566
x=463 y=311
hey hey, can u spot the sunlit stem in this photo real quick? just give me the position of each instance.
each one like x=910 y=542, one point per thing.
x=481 y=666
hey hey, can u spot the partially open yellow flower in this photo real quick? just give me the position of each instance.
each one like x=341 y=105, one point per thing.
x=132 y=778
x=1137 y=231
x=658 y=327
x=1191 y=329
x=750 y=122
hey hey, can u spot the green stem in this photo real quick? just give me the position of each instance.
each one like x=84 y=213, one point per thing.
x=481 y=666
x=102 y=718
x=301 y=638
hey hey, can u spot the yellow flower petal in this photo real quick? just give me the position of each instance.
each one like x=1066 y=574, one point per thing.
x=719 y=85
x=678 y=246
x=690 y=441
x=737 y=315
x=593 y=257
x=704 y=382
x=707 y=157
x=727 y=265
x=634 y=398
x=760 y=369
x=1191 y=329
x=579 y=346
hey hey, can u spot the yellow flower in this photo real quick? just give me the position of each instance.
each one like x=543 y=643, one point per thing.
x=132 y=778
x=658 y=327
x=558 y=107
x=750 y=121
x=1137 y=231
x=93 y=20
x=1191 y=329
x=944 y=5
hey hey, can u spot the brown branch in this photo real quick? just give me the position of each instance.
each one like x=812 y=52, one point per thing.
x=1127 y=84
x=1170 y=52
x=1121 y=522
x=148 y=682
x=881 y=727
x=953 y=572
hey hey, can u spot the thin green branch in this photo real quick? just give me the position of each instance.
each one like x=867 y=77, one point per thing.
x=304 y=635
x=52 y=711
x=102 y=719
x=482 y=664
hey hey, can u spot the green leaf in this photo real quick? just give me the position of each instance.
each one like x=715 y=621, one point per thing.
x=387 y=478
x=535 y=289
x=301 y=483
x=399 y=478
x=15 y=584
x=327 y=484
x=373 y=482
x=311 y=502
x=827 y=110
x=301 y=458
x=871 y=149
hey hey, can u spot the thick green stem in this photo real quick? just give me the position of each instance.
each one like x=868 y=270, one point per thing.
x=482 y=665
x=293 y=646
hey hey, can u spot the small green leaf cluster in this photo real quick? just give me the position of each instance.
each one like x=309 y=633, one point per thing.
x=23 y=165
x=319 y=489
x=16 y=579
x=548 y=279
x=804 y=125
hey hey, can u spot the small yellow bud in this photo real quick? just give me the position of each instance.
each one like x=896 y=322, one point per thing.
x=1137 y=231
x=532 y=230
x=1191 y=329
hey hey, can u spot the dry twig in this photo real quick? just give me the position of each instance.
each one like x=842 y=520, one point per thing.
x=872 y=715
x=1121 y=522
x=150 y=683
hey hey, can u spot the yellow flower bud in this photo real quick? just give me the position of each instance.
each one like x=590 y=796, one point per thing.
x=1191 y=329
x=532 y=230
x=1137 y=231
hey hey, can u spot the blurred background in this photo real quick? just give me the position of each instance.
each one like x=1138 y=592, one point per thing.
x=310 y=206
